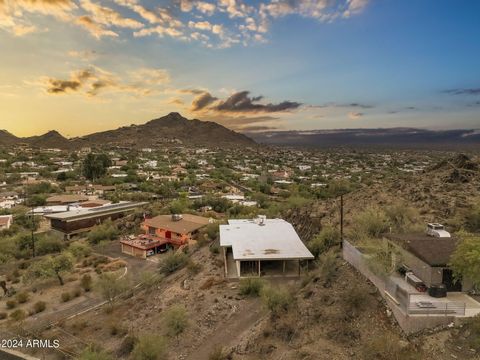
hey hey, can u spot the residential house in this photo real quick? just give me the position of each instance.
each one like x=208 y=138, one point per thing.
x=163 y=232
x=262 y=247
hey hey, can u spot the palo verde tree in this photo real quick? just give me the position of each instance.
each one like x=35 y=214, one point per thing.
x=110 y=286
x=95 y=166
x=52 y=266
x=465 y=261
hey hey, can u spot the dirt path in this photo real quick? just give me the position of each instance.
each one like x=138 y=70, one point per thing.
x=229 y=332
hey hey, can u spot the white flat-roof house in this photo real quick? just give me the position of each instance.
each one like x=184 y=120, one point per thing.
x=261 y=247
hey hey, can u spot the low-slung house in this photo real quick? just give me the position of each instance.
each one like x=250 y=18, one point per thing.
x=66 y=199
x=82 y=220
x=428 y=257
x=262 y=247
x=163 y=232
x=5 y=222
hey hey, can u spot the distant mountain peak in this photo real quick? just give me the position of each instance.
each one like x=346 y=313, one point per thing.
x=172 y=128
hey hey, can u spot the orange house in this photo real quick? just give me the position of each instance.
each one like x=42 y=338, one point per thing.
x=176 y=229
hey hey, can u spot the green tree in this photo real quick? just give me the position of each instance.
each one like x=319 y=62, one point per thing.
x=95 y=166
x=324 y=240
x=465 y=261
x=111 y=286
x=52 y=266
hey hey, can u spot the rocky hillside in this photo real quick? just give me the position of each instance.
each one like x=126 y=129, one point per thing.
x=170 y=129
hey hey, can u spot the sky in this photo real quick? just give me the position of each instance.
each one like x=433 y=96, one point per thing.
x=82 y=66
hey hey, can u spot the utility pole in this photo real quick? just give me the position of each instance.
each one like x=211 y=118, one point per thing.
x=33 y=230
x=341 y=221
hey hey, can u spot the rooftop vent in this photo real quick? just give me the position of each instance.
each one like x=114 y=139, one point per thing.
x=177 y=217
x=261 y=219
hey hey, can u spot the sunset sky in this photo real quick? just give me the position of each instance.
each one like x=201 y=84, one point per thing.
x=81 y=66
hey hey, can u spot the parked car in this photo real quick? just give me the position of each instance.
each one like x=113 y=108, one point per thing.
x=417 y=283
x=437 y=230
x=150 y=252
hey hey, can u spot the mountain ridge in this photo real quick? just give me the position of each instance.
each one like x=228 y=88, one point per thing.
x=171 y=128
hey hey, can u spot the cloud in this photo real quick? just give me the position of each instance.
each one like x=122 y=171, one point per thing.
x=93 y=81
x=322 y=10
x=343 y=105
x=201 y=101
x=464 y=91
x=352 y=115
x=160 y=30
x=206 y=8
x=85 y=55
x=150 y=76
x=95 y=29
x=241 y=102
x=59 y=8
x=109 y=17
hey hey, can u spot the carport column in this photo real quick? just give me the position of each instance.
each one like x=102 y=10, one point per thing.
x=259 y=268
x=298 y=267
x=284 y=266
x=237 y=262
x=225 y=261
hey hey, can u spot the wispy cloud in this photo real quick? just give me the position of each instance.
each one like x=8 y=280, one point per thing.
x=463 y=91
x=93 y=81
x=236 y=21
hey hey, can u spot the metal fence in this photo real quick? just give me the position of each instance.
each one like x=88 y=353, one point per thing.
x=399 y=295
x=436 y=308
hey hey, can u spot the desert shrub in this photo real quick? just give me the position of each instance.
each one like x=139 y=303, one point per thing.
x=86 y=282
x=76 y=292
x=39 y=306
x=105 y=231
x=176 y=320
x=65 y=296
x=400 y=216
x=3 y=315
x=80 y=250
x=127 y=346
x=277 y=300
x=214 y=249
x=323 y=241
x=355 y=300
x=18 y=315
x=116 y=329
x=218 y=354
x=173 y=262
x=10 y=304
x=251 y=286
x=48 y=245
x=370 y=223
x=150 y=347
x=472 y=219
x=327 y=267
x=387 y=347
x=22 y=297
x=94 y=354
x=194 y=268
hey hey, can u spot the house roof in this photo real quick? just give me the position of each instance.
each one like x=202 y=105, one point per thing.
x=79 y=214
x=435 y=251
x=5 y=220
x=186 y=225
x=67 y=198
x=276 y=239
